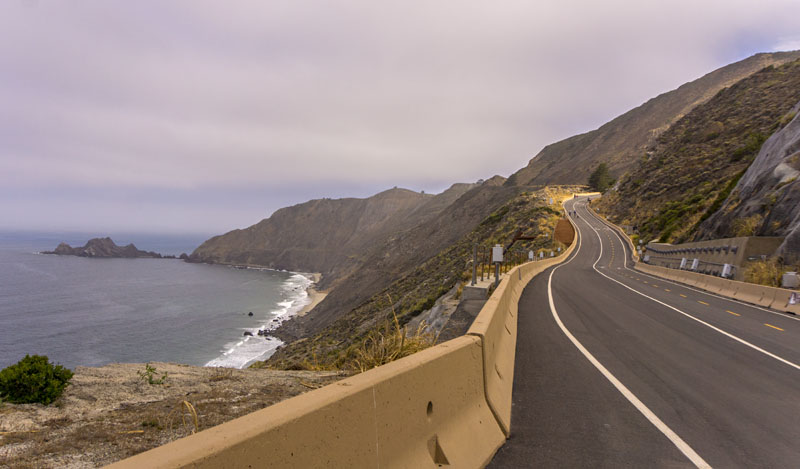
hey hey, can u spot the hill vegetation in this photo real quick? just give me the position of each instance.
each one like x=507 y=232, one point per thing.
x=621 y=142
x=693 y=167
x=338 y=345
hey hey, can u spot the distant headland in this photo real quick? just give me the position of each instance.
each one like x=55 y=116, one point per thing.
x=106 y=247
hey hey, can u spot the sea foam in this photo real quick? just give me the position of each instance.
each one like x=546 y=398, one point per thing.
x=248 y=349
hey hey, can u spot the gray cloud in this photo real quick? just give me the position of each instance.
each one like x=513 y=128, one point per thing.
x=262 y=104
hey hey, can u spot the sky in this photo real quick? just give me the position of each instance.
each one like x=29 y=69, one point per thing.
x=204 y=116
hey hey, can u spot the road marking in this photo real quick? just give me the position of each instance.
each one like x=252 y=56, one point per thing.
x=702 y=302
x=683 y=295
x=728 y=334
x=774 y=327
x=682 y=446
x=667 y=289
x=735 y=314
x=732 y=300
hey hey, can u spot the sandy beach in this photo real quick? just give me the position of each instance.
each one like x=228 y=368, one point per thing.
x=316 y=295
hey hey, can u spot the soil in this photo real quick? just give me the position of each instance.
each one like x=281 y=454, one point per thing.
x=112 y=412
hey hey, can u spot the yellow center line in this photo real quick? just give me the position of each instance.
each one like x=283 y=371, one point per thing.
x=735 y=314
x=702 y=302
x=683 y=295
x=774 y=327
x=667 y=289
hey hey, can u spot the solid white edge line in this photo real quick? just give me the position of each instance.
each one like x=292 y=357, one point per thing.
x=688 y=287
x=728 y=334
x=676 y=440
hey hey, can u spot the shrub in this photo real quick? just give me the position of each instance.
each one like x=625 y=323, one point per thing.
x=765 y=272
x=149 y=375
x=33 y=380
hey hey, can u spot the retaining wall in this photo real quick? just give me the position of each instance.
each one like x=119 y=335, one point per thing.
x=447 y=405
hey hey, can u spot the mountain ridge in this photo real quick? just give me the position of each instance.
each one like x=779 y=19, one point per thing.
x=622 y=141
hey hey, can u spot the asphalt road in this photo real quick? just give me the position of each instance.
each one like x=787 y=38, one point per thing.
x=616 y=368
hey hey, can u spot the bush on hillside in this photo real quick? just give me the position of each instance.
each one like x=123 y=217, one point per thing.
x=601 y=179
x=33 y=380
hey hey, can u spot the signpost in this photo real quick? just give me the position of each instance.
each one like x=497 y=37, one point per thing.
x=497 y=258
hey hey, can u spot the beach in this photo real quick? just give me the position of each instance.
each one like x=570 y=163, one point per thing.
x=315 y=295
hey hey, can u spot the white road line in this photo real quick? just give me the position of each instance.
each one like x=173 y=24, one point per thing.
x=704 y=292
x=728 y=334
x=682 y=446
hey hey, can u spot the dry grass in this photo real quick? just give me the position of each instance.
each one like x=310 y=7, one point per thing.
x=765 y=272
x=389 y=343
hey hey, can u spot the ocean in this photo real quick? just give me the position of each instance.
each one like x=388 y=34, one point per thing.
x=92 y=312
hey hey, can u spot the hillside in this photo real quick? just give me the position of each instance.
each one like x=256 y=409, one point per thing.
x=385 y=262
x=693 y=166
x=415 y=290
x=621 y=142
x=766 y=200
x=328 y=236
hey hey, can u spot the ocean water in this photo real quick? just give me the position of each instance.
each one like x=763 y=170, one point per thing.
x=91 y=312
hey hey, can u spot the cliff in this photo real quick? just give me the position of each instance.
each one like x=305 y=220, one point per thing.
x=329 y=236
x=767 y=195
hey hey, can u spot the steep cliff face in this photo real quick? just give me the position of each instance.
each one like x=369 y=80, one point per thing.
x=693 y=167
x=768 y=194
x=330 y=236
x=621 y=142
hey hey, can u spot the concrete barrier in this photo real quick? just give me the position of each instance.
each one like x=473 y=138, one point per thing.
x=755 y=294
x=496 y=325
x=425 y=410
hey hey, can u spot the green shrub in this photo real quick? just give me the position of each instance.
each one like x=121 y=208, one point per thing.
x=149 y=375
x=33 y=379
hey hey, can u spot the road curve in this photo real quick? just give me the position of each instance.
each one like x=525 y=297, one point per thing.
x=616 y=368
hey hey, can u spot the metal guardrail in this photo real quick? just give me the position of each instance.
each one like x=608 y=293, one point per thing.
x=703 y=267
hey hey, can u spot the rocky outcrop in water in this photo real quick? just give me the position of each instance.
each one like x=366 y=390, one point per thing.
x=103 y=247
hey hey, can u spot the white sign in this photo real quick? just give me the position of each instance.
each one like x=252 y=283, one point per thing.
x=683 y=263
x=793 y=299
x=695 y=263
x=497 y=253
x=726 y=270
x=531 y=255
x=541 y=255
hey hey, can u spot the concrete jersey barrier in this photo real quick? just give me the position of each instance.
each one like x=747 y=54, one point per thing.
x=446 y=405
x=424 y=410
x=496 y=325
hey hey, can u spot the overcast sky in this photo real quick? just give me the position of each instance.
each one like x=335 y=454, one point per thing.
x=203 y=116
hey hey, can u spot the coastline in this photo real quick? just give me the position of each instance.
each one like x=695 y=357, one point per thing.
x=316 y=295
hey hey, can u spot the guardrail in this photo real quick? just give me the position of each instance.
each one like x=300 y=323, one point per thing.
x=446 y=405
x=767 y=297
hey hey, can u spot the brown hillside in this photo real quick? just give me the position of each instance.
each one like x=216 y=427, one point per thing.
x=386 y=262
x=695 y=164
x=621 y=142
x=330 y=236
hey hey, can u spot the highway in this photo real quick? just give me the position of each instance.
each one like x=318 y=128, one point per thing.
x=616 y=368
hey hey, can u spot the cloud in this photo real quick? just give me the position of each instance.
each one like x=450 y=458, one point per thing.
x=233 y=97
